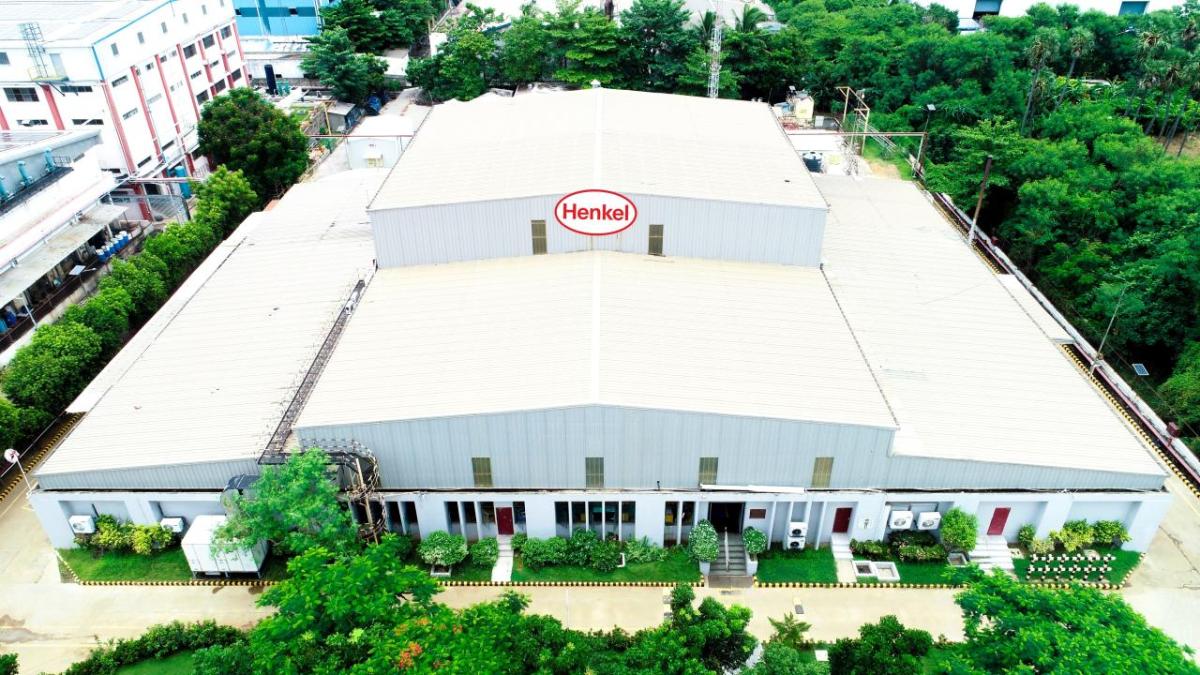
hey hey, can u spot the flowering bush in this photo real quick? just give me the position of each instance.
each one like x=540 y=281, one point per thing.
x=755 y=541
x=702 y=545
x=539 y=553
x=485 y=552
x=1109 y=533
x=442 y=548
x=871 y=550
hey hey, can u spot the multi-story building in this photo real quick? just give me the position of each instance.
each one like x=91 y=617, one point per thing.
x=137 y=70
x=620 y=311
x=971 y=11
x=53 y=226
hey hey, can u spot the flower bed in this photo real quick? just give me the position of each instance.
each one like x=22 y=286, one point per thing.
x=1113 y=566
x=810 y=565
x=675 y=566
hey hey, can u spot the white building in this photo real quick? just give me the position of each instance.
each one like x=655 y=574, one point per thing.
x=137 y=70
x=748 y=345
x=53 y=227
x=378 y=141
x=972 y=10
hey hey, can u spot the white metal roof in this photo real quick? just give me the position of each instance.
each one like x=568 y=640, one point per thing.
x=71 y=22
x=208 y=378
x=384 y=125
x=635 y=142
x=597 y=327
x=968 y=372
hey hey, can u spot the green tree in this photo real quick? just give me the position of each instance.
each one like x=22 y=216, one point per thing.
x=357 y=20
x=586 y=44
x=1182 y=389
x=525 y=51
x=107 y=314
x=655 y=44
x=295 y=506
x=790 y=632
x=224 y=199
x=407 y=21
x=20 y=425
x=351 y=77
x=460 y=70
x=884 y=648
x=1013 y=627
x=244 y=132
x=142 y=277
x=780 y=659
x=8 y=664
x=960 y=530
x=54 y=367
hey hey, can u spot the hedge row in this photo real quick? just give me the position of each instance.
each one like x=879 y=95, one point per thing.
x=156 y=643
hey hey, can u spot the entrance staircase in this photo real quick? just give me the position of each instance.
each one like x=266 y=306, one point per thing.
x=729 y=569
x=840 y=543
x=502 y=571
x=992 y=552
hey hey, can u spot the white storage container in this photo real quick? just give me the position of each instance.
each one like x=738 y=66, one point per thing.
x=205 y=558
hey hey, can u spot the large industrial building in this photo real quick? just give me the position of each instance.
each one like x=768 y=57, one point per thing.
x=616 y=310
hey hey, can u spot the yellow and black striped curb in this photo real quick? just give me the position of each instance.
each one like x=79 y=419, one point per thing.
x=574 y=584
x=30 y=462
x=183 y=582
x=846 y=584
x=1129 y=419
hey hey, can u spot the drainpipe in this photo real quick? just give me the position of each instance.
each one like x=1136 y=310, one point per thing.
x=25 y=179
x=49 y=160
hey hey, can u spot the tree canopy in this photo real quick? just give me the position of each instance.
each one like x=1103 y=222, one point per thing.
x=350 y=76
x=243 y=132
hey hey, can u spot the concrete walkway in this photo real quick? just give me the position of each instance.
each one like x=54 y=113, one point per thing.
x=502 y=570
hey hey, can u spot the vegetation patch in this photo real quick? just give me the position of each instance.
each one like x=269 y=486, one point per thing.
x=177 y=664
x=810 y=565
x=676 y=566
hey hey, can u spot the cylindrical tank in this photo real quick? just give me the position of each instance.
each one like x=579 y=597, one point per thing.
x=812 y=161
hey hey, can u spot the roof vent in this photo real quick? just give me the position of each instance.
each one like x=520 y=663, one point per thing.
x=595 y=84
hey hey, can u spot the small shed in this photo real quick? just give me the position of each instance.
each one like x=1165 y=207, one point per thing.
x=342 y=116
x=205 y=558
x=379 y=141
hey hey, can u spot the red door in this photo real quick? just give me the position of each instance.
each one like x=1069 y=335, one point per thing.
x=999 y=520
x=504 y=523
x=841 y=521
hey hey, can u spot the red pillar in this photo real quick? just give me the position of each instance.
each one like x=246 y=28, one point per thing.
x=137 y=82
x=116 y=118
x=187 y=79
x=167 y=93
x=49 y=93
x=3 y=121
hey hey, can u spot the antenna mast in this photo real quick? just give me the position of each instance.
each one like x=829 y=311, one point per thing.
x=714 y=63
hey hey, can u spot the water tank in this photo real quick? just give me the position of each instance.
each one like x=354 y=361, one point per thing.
x=812 y=161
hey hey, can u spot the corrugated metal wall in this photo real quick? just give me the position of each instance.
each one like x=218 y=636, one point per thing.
x=199 y=476
x=642 y=448
x=692 y=228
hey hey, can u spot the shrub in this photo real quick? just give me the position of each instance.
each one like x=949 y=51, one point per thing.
x=682 y=597
x=1074 y=535
x=485 y=552
x=404 y=546
x=8 y=664
x=899 y=538
x=234 y=659
x=107 y=314
x=702 y=545
x=755 y=541
x=643 y=551
x=145 y=539
x=960 y=530
x=19 y=426
x=579 y=547
x=871 y=550
x=539 y=553
x=114 y=535
x=605 y=556
x=1109 y=533
x=156 y=643
x=144 y=279
x=54 y=367
x=1026 y=534
x=1041 y=546
x=918 y=553
x=518 y=541
x=442 y=548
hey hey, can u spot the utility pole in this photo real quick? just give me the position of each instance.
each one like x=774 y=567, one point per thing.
x=714 y=59
x=1111 y=321
x=987 y=172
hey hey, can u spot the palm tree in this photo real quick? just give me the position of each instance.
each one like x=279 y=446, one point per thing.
x=790 y=632
x=704 y=31
x=751 y=17
x=1079 y=42
x=1189 y=76
x=1042 y=47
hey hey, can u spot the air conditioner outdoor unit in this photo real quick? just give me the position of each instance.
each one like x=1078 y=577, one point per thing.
x=797 y=529
x=931 y=520
x=900 y=520
x=796 y=543
x=82 y=524
x=173 y=524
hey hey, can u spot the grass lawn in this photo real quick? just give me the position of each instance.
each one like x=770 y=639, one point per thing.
x=676 y=567
x=810 y=565
x=177 y=664
x=169 y=565
x=1121 y=567
x=872 y=150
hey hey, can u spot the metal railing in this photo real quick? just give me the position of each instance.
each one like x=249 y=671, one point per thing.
x=727 y=549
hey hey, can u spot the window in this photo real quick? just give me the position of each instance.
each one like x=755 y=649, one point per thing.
x=27 y=94
x=481 y=467
x=3 y=58
x=822 y=471
x=195 y=75
x=150 y=66
x=226 y=32
x=189 y=51
x=986 y=8
x=236 y=75
x=214 y=63
x=1132 y=8
x=115 y=51
x=758 y=514
x=81 y=122
x=185 y=19
x=129 y=114
x=202 y=97
x=120 y=80
x=539 y=237
x=562 y=518
x=145 y=161
x=166 y=146
x=141 y=38
x=594 y=472
x=218 y=87
x=628 y=512
x=708 y=470
x=154 y=98
x=75 y=89
x=204 y=9
x=519 y=512
x=162 y=58
x=163 y=26
x=656 y=240
x=32 y=123
x=208 y=41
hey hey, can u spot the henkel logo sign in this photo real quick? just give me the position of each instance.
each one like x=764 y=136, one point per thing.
x=595 y=212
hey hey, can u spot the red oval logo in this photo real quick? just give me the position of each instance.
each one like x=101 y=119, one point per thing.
x=595 y=213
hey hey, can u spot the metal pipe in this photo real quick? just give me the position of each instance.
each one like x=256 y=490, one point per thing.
x=25 y=179
x=49 y=160
x=3 y=190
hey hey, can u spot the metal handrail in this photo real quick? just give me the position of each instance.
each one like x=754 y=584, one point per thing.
x=726 y=549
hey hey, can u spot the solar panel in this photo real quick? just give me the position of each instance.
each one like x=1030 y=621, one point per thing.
x=1140 y=369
